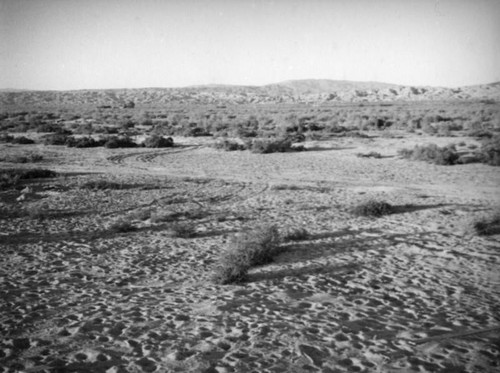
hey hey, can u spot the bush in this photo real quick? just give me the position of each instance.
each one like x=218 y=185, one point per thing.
x=250 y=248
x=265 y=146
x=114 y=142
x=488 y=226
x=369 y=155
x=373 y=208
x=22 y=140
x=182 y=230
x=30 y=158
x=489 y=152
x=129 y=105
x=49 y=127
x=55 y=139
x=84 y=142
x=121 y=226
x=196 y=132
x=480 y=134
x=10 y=178
x=432 y=153
x=297 y=234
x=157 y=141
x=229 y=145
x=6 y=138
x=101 y=185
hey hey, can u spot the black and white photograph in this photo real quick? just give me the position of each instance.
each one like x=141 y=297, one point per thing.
x=249 y=186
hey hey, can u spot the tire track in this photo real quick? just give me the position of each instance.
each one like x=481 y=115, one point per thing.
x=148 y=156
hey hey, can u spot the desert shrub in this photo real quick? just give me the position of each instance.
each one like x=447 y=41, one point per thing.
x=22 y=140
x=143 y=214
x=129 y=105
x=373 y=208
x=6 y=138
x=369 y=155
x=55 y=139
x=157 y=141
x=110 y=130
x=121 y=225
x=487 y=226
x=159 y=217
x=432 y=153
x=83 y=142
x=36 y=173
x=10 y=178
x=37 y=212
x=250 y=248
x=297 y=234
x=196 y=132
x=489 y=152
x=246 y=132
x=114 y=142
x=229 y=145
x=480 y=134
x=182 y=230
x=101 y=185
x=49 y=127
x=29 y=158
x=265 y=146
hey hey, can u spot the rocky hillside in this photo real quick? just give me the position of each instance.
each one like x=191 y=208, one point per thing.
x=296 y=91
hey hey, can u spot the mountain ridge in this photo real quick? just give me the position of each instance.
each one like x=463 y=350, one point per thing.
x=289 y=91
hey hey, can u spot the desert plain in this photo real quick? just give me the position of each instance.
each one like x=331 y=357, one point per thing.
x=104 y=279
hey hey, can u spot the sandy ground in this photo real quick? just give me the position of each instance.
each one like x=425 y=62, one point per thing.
x=414 y=291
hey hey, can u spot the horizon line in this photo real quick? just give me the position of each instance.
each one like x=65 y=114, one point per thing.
x=238 y=85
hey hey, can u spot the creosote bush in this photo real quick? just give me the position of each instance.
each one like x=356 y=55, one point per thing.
x=83 y=142
x=114 y=142
x=11 y=178
x=22 y=140
x=369 y=155
x=432 y=153
x=487 y=226
x=182 y=230
x=229 y=145
x=373 y=208
x=489 y=152
x=297 y=234
x=101 y=185
x=28 y=158
x=249 y=248
x=266 y=146
x=121 y=225
x=157 y=141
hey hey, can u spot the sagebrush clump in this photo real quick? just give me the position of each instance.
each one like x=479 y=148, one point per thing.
x=229 y=145
x=11 y=178
x=102 y=185
x=373 y=208
x=157 y=141
x=489 y=152
x=122 y=225
x=487 y=226
x=266 y=146
x=250 y=248
x=432 y=153
x=297 y=234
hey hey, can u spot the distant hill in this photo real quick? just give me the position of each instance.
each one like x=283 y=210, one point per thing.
x=293 y=91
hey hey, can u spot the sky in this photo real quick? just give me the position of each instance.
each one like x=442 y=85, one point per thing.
x=98 y=44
